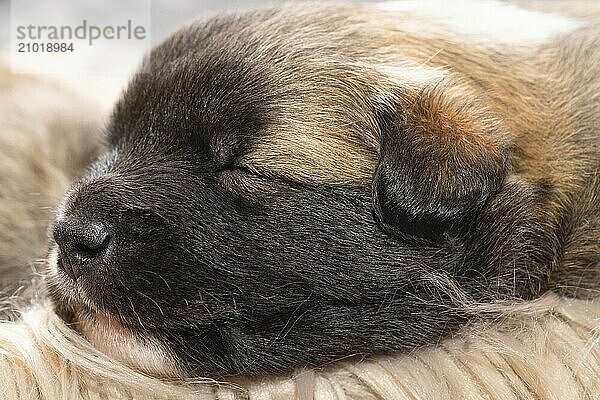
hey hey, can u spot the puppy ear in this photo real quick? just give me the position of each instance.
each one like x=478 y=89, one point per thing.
x=442 y=154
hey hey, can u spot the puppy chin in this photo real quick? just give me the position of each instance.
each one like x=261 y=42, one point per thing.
x=110 y=336
x=106 y=332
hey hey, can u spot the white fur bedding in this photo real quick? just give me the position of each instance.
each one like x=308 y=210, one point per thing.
x=548 y=349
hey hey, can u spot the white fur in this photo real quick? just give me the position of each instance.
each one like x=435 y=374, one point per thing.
x=52 y=260
x=487 y=20
x=117 y=342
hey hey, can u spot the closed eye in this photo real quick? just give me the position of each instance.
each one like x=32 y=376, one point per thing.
x=252 y=184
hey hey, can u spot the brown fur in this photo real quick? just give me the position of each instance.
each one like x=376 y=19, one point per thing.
x=310 y=140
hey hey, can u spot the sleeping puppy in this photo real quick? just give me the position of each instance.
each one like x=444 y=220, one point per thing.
x=292 y=186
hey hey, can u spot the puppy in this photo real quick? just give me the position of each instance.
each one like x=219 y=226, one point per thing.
x=296 y=185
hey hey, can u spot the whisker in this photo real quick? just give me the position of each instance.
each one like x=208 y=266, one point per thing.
x=152 y=300
x=160 y=276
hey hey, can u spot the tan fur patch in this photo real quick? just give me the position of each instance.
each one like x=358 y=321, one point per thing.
x=331 y=135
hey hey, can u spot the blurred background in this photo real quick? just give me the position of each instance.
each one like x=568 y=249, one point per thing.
x=100 y=70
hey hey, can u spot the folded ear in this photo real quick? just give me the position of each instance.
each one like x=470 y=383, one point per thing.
x=442 y=154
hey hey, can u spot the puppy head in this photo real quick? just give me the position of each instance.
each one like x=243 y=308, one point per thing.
x=273 y=195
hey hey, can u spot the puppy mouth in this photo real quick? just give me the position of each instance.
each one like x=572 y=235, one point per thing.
x=121 y=341
x=77 y=309
x=65 y=265
x=87 y=316
x=74 y=304
x=127 y=341
x=89 y=319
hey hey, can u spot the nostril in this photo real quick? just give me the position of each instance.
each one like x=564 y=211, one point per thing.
x=80 y=242
x=91 y=244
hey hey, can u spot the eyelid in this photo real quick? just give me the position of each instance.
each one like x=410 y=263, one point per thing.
x=233 y=170
x=240 y=181
x=244 y=169
x=240 y=170
x=239 y=167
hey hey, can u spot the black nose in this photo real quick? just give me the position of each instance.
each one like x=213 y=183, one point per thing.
x=81 y=244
